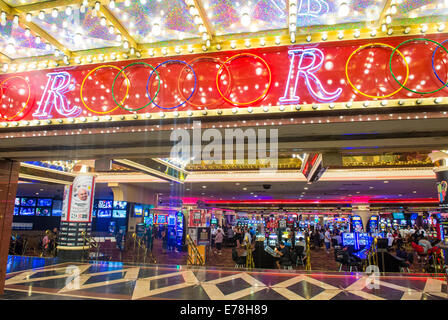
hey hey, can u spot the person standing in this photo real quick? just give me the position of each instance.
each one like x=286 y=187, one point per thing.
x=327 y=240
x=164 y=240
x=218 y=240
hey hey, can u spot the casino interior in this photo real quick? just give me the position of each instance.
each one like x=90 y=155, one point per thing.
x=273 y=149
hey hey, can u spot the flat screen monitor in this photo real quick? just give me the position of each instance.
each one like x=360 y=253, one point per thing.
x=104 y=213
x=398 y=215
x=57 y=208
x=348 y=239
x=138 y=210
x=414 y=216
x=120 y=205
x=44 y=202
x=16 y=211
x=28 y=202
x=43 y=212
x=161 y=219
x=119 y=214
x=27 y=211
x=17 y=203
x=104 y=204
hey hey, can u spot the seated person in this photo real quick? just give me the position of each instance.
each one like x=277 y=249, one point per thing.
x=284 y=253
x=425 y=244
x=350 y=252
x=301 y=243
x=403 y=254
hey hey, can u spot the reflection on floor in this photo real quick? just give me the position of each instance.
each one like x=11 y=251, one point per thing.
x=115 y=280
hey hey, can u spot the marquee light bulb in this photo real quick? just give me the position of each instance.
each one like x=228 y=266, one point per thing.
x=245 y=19
x=54 y=13
x=156 y=29
x=68 y=11
x=29 y=17
x=112 y=4
x=41 y=15
x=344 y=10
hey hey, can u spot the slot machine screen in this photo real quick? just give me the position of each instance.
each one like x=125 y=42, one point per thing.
x=214 y=221
x=43 y=212
x=104 y=204
x=161 y=219
x=44 y=202
x=171 y=220
x=119 y=214
x=27 y=211
x=120 y=205
x=363 y=239
x=414 y=216
x=348 y=239
x=28 y=202
x=138 y=210
x=102 y=213
x=299 y=235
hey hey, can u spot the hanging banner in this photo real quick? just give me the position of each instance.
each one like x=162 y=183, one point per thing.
x=342 y=71
x=82 y=199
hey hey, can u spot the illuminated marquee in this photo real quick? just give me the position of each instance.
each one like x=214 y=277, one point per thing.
x=303 y=74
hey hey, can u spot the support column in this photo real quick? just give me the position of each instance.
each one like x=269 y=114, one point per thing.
x=76 y=219
x=362 y=210
x=9 y=175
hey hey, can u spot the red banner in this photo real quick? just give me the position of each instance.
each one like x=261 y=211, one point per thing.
x=290 y=75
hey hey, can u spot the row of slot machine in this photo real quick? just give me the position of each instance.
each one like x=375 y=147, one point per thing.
x=172 y=220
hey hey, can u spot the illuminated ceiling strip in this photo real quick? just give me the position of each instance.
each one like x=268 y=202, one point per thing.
x=27 y=165
x=170 y=165
x=383 y=13
x=43 y=179
x=298 y=201
x=34 y=28
x=117 y=25
x=38 y=6
x=203 y=16
x=146 y=169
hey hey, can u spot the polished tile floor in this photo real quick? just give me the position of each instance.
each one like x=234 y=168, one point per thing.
x=42 y=279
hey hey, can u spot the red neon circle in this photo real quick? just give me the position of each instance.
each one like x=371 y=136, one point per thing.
x=191 y=64
x=27 y=100
x=265 y=92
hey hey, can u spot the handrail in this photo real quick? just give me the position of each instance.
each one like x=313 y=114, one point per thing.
x=197 y=256
x=249 y=257
x=91 y=242
x=308 y=255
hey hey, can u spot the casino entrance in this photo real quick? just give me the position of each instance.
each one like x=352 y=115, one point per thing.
x=321 y=150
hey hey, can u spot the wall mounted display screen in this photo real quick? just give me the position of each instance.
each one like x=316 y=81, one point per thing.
x=16 y=211
x=94 y=213
x=104 y=204
x=398 y=215
x=120 y=205
x=57 y=208
x=44 y=202
x=27 y=211
x=414 y=216
x=104 y=213
x=43 y=212
x=119 y=214
x=28 y=202
x=17 y=203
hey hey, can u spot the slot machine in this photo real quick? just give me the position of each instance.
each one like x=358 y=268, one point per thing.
x=373 y=224
x=179 y=230
x=356 y=224
x=273 y=240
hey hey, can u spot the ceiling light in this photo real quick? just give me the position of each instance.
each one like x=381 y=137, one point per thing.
x=97 y=6
x=112 y=4
x=29 y=17
x=68 y=11
x=156 y=29
x=344 y=10
x=41 y=15
x=245 y=19
x=54 y=13
x=103 y=21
